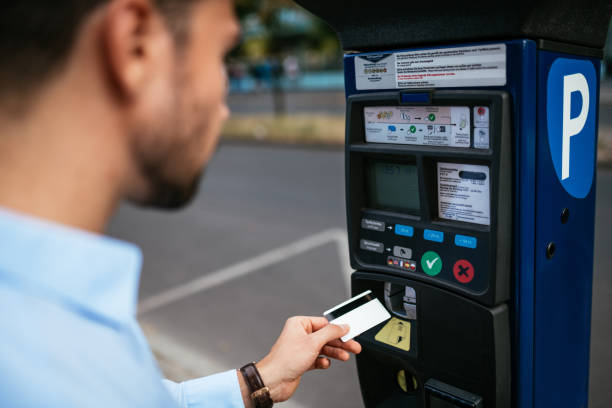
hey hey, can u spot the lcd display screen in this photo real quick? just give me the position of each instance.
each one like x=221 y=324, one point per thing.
x=393 y=186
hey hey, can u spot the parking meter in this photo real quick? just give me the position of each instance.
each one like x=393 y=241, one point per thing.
x=471 y=135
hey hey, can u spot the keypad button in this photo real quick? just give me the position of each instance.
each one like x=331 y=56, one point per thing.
x=465 y=241
x=404 y=230
x=373 y=225
x=463 y=270
x=372 y=246
x=433 y=235
x=402 y=252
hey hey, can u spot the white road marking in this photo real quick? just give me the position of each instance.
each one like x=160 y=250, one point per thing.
x=243 y=268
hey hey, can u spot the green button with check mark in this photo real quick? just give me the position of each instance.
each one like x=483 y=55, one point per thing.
x=431 y=263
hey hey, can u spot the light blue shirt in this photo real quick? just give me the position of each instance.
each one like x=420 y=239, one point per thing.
x=68 y=331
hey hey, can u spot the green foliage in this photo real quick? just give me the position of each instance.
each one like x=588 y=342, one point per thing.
x=275 y=28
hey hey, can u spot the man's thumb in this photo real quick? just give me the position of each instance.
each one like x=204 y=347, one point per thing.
x=329 y=333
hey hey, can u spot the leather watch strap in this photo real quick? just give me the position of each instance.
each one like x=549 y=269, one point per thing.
x=260 y=394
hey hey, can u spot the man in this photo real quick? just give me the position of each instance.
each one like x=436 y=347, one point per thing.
x=101 y=101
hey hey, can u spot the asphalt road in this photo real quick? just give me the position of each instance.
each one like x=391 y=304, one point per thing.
x=253 y=200
x=256 y=206
x=329 y=102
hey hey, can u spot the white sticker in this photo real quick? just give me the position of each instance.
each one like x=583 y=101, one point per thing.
x=463 y=193
x=481 y=116
x=375 y=71
x=418 y=125
x=481 y=138
x=482 y=65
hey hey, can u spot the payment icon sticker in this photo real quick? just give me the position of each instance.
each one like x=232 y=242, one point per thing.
x=395 y=333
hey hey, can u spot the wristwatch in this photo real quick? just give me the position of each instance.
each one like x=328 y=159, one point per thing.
x=260 y=394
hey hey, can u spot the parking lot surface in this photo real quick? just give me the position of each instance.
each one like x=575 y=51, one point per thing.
x=265 y=240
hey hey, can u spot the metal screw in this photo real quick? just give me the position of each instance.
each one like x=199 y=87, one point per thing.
x=565 y=215
x=550 y=250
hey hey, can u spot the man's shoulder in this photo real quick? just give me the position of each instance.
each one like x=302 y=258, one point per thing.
x=52 y=356
x=34 y=319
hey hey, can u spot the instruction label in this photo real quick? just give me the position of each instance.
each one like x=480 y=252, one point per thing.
x=418 y=125
x=375 y=71
x=480 y=65
x=395 y=333
x=463 y=193
x=452 y=67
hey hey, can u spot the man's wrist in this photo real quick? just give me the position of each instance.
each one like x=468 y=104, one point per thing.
x=245 y=391
x=270 y=378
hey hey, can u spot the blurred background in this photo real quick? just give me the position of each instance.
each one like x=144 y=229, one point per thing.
x=265 y=238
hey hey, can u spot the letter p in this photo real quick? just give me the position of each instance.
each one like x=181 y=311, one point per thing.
x=572 y=126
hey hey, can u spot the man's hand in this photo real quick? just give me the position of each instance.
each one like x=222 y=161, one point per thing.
x=304 y=344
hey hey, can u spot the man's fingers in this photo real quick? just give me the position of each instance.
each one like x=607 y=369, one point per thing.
x=329 y=333
x=335 y=352
x=350 y=345
x=317 y=322
x=322 y=363
x=310 y=323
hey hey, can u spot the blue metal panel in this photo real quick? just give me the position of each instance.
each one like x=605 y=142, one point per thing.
x=564 y=282
x=521 y=85
x=349 y=75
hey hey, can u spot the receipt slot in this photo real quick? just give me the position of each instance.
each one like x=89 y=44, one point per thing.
x=471 y=134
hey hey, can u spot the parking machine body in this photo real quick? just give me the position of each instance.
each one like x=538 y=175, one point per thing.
x=470 y=196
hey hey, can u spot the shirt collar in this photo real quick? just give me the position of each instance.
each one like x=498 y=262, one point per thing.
x=92 y=272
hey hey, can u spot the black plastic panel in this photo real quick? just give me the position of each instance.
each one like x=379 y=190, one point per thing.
x=456 y=341
x=389 y=24
x=448 y=251
x=491 y=257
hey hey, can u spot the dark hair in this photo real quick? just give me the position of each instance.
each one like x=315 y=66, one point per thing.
x=36 y=37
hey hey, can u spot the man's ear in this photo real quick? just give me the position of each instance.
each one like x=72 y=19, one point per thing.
x=131 y=40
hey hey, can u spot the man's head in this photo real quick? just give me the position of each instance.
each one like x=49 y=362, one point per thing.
x=159 y=64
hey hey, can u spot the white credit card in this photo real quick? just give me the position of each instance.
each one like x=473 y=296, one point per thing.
x=361 y=313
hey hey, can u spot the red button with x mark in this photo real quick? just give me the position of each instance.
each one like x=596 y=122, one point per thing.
x=463 y=271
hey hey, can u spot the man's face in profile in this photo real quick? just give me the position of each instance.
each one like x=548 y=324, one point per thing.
x=179 y=119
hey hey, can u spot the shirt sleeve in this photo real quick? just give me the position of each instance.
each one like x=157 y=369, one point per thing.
x=218 y=390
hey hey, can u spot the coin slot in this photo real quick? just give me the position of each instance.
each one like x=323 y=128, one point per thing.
x=407 y=382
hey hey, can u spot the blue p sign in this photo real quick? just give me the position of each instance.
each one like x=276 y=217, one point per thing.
x=570 y=110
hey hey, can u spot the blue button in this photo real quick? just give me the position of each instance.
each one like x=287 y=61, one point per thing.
x=465 y=241
x=405 y=230
x=433 y=235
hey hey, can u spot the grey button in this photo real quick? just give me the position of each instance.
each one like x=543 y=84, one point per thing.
x=402 y=252
x=373 y=246
x=373 y=225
